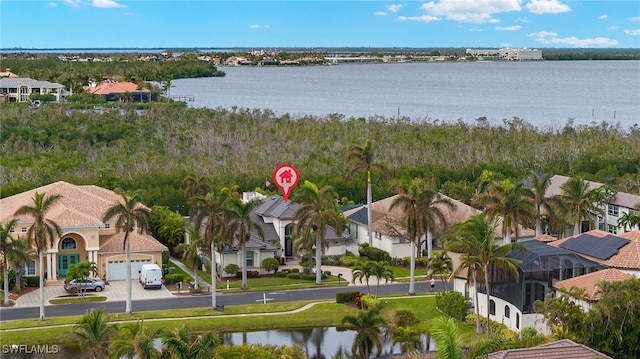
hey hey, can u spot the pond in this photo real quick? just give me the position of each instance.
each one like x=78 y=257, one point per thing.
x=319 y=343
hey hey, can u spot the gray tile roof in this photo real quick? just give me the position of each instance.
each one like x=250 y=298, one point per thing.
x=8 y=82
x=276 y=207
x=360 y=216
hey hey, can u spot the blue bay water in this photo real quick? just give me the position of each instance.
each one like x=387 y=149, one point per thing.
x=545 y=93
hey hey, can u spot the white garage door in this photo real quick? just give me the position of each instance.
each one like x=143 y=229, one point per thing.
x=117 y=270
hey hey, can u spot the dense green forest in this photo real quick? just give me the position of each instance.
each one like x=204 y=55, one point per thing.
x=156 y=149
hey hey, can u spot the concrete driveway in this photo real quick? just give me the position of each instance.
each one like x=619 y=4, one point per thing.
x=115 y=291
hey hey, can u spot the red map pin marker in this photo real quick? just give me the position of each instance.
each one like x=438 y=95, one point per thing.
x=286 y=177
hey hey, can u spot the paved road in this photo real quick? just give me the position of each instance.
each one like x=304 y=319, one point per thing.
x=205 y=300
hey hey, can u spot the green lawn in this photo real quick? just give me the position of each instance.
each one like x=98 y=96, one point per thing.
x=59 y=330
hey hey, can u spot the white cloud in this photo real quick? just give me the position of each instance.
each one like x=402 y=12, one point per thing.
x=632 y=32
x=73 y=3
x=494 y=21
x=475 y=29
x=106 y=4
x=551 y=38
x=509 y=28
x=539 y=7
x=637 y=18
x=477 y=11
x=52 y=4
x=612 y=28
x=380 y=13
x=602 y=17
x=394 y=8
x=423 y=18
x=258 y=26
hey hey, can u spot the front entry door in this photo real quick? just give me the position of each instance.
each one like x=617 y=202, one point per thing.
x=65 y=261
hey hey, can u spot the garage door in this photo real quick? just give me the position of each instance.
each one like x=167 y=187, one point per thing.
x=117 y=270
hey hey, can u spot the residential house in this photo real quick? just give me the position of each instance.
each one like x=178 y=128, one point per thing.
x=619 y=204
x=85 y=237
x=561 y=349
x=389 y=226
x=19 y=89
x=114 y=91
x=590 y=283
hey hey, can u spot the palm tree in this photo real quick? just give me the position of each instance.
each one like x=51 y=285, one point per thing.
x=580 y=201
x=513 y=202
x=420 y=206
x=136 y=342
x=80 y=271
x=180 y=344
x=43 y=232
x=629 y=220
x=380 y=271
x=367 y=326
x=210 y=210
x=539 y=185
x=475 y=239
x=94 y=332
x=440 y=263
x=242 y=225
x=303 y=246
x=362 y=271
x=447 y=338
x=195 y=187
x=6 y=244
x=408 y=338
x=318 y=210
x=191 y=252
x=362 y=158
x=129 y=214
x=19 y=253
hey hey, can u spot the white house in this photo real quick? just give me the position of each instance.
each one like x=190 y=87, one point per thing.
x=18 y=89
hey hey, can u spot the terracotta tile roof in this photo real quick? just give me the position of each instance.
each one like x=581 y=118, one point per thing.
x=545 y=238
x=108 y=87
x=138 y=243
x=590 y=282
x=628 y=257
x=561 y=349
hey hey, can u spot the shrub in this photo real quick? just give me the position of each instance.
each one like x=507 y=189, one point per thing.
x=495 y=326
x=452 y=304
x=422 y=262
x=282 y=274
x=374 y=254
x=369 y=302
x=31 y=280
x=346 y=297
x=173 y=278
x=308 y=276
x=294 y=275
x=348 y=261
x=294 y=270
x=404 y=318
x=232 y=269
x=270 y=264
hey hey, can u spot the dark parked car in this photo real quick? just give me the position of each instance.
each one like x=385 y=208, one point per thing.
x=84 y=284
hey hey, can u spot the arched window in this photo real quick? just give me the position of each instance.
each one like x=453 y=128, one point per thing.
x=68 y=243
x=492 y=307
x=507 y=311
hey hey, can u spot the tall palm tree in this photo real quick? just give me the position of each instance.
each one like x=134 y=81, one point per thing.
x=447 y=338
x=539 y=185
x=242 y=225
x=408 y=338
x=43 y=232
x=440 y=263
x=191 y=252
x=475 y=239
x=580 y=201
x=6 y=246
x=421 y=208
x=180 y=344
x=94 y=332
x=367 y=326
x=303 y=244
x=135 y=342
x=513 y=202
x=362 y=158
x=210 y=211
x=318 y=210
x=629 y=220
x=130 y=214
x=362 y=271
x=196 y=186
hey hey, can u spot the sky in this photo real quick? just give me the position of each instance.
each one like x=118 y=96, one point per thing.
x=48 y=24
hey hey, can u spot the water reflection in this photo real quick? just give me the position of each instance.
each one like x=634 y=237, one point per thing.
x=320 y=343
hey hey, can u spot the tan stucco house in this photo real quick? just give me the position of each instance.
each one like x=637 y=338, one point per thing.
x=85 y=237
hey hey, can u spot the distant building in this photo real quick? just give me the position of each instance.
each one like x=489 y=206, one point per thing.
x=19 y=89
x=114 y=91
x=506 y=54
